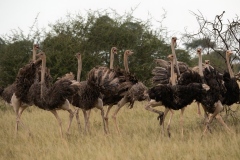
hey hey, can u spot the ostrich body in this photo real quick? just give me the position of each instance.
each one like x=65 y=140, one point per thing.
x=231 y=95
x=100 y=81
x=136 y=92
x=8 y=92
x=174 y=96
x=55 y=96
x=211 y=100
x=89 y=91
x=123 y=95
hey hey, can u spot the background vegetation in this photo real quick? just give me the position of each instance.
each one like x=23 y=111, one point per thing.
x=93 y=35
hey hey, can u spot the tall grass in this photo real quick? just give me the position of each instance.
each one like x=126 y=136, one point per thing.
x=140 y=137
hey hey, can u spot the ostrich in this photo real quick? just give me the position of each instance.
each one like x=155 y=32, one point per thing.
x=48 y=97
x=211 y=100
x=231 y=95
x=126 y=80
x=174 y=96
x=8 y=92
x=137 y=92
x=101 y=80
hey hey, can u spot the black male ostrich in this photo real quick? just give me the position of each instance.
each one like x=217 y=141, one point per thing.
x=211 y=100
x=52 y=97
x=231 y=95
x=174 y=96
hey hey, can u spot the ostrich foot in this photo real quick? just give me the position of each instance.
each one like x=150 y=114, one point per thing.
x=160 y=118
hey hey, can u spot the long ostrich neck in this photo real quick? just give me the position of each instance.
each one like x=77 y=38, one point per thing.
x=111 y=59
x=200 y=65
x=229 y=67
x=175 y=57
x=173 y=82
x=79 y=68
x=126 y=62
x=34 y=54
x=43 y=74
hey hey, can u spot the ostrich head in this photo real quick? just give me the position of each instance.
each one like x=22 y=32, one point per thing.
x=78 y=55
x=207 y=61
x=114 y=50
x=174 y=41
x=128 y=52
x=36 y=46
x=199 y=51
x=229 y=53
x=170 y=57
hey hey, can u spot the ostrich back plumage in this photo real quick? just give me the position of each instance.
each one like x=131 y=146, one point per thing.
x=188 y=77
x=231 y=95
x=125 y=84
x=8 y=92
x=53 y=97
x=162 y=73
x=25 y=78
x=137 y=93
x=177 y=96
x=86 y=96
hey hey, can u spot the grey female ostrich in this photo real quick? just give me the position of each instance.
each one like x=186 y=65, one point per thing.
x=123 y=95
x=136 y=92
x=51 y=97
x=100 y=80
x=174 y=96
x=211 y=100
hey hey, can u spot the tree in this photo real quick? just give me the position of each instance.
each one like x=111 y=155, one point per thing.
x=216 y=36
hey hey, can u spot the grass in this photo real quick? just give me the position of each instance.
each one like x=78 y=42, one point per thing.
x=140 y=137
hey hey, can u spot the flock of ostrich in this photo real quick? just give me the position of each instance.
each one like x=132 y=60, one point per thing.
x=175 y=86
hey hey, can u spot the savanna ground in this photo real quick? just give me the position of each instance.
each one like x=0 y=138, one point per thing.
x=140 y=137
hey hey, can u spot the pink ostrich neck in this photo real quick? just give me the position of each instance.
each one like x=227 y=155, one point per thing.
x=172 y=78
x=200 y=64
x=173 y=43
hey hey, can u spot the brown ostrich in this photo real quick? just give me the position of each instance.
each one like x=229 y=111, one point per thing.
x=52 y=97
x=137 y=92
x=8 y=92
x=123 y=96
x=101 y=80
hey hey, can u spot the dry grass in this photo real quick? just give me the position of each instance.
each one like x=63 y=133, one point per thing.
x=140 y=137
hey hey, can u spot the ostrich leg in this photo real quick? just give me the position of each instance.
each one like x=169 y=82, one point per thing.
x=66 y=106
x=106 y=116
x=219 y=107
x=18 y=111
x=153 y=103
x=114 y=116
x=182 y=120
x=78 y=120
x=99 y=105
x=54 y=112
